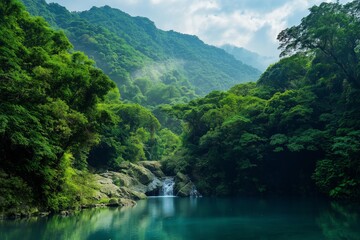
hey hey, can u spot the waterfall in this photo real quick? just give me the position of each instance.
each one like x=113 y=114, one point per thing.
x=167 y=187
x=194 y=192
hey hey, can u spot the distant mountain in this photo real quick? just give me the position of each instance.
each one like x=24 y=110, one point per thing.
x=250 y=58
x=149 y=65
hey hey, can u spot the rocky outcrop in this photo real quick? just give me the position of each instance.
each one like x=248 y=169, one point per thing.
x=184 y=187
x=107 y=189
x=133 y=181
x=154 y=167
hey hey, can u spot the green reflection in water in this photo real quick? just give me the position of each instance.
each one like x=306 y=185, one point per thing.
x=202 y=218
x=340 y=221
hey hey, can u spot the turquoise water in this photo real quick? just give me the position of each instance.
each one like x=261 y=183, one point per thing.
x=198 y=218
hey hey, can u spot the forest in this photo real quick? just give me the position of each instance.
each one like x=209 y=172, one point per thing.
x=149 y=65
x=295 y=131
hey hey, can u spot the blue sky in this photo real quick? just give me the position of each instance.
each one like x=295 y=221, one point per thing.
x=252 y=24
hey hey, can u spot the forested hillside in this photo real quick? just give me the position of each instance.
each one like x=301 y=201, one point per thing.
x=294 y=132
x=150 y=66
x=250 y=58
x=61 y=116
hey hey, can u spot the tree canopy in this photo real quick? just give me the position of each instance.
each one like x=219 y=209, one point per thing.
x=293 y=132
x=60 y=114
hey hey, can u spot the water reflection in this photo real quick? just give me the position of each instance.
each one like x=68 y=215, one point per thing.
x=340 y=221
x=198 y=218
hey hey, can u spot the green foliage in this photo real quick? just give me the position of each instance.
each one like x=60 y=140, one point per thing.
x=338 y=175
x=331 y=29
x=287 y=73
x=296 y=131
x=48 y=109
x=58 y=114
x=129 y=132
x=150 y=66
x=14 y=193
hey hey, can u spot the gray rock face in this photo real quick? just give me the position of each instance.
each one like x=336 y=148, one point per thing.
x=154 y=167
x=134 y=181
x=184 y=187
x=153 y=187
x=137 y=181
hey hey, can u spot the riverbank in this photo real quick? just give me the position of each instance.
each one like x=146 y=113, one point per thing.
x=124 y=187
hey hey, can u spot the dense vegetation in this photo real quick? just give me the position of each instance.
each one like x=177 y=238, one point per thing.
x=297 y=130
x=58 y=114
x=150 y=66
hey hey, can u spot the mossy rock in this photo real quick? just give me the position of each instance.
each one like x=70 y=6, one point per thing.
x=183 y=185
x=131 y=194
x=154 y=166
x=142 y=174
x=180 y=177
x=126 y=202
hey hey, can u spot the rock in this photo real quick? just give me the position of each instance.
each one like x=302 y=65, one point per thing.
x=126 y=202
x=184 y=187
x=113 y=203
x=143 y=175
x=184 y=190
x=43 y=214
x=124 y=165
x=106 y=187
x=154 y=185
x=120 y=179
x=121 y=202
x=154 y=167
x=99 y=205
x=131 y=194
x=180 y=177
x=132 y=182
x=65 y=213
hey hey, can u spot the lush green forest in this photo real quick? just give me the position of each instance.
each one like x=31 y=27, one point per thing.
x=296 y=131
x=150 y=66
x=58 y=114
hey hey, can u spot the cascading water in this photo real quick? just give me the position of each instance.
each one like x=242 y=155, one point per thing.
x=167 y=187
x=194 y=192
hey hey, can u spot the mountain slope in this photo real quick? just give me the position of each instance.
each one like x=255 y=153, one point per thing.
x=149 y=65
x=251 y=58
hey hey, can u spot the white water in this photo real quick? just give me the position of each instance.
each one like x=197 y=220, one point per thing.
x=194 y=192
x=167 y=187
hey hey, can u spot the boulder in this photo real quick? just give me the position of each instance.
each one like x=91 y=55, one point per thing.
x=121 y=202
x=180 y=177
x=143 y=175
x=126 y=202
x=131 y=194
x=184 y=187
x=106 y=187
x=133 y=181
x=121 y=179
x=154 y=167
x=154 y=187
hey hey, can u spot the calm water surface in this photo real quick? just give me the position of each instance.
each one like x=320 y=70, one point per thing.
x=198 y=218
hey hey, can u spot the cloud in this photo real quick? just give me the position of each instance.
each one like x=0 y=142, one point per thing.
x=253 y=24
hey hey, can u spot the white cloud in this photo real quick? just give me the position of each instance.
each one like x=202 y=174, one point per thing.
x=203 y=6
x=253 y=24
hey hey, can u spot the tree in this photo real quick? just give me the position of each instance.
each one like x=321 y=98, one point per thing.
x=331 y=29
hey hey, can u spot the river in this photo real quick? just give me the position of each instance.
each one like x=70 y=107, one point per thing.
x=173 y=218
